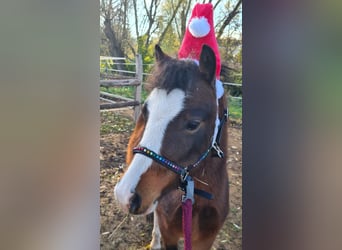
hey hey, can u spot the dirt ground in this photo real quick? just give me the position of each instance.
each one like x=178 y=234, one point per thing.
x=121 y=231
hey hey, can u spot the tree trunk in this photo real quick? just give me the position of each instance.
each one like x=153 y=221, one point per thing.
x=115 y=48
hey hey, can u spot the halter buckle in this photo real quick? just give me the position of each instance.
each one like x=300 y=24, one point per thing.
x=217 y=150
x=189 y=189
x=226 y=114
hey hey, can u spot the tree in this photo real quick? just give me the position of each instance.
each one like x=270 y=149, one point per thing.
x=173 y=10
x=181 y=17
x=115 y=25
x=228 y=18
x=164 y=22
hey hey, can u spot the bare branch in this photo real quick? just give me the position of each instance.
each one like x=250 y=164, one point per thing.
x=228 y=19
x=132 y=48
x=217 y=3
x=145 y=6
x=136 y=18
x=170 y=21
x=152 y=17
x=182 y=17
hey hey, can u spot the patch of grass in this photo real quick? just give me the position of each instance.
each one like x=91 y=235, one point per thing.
x=235 y=108
x=112 y=122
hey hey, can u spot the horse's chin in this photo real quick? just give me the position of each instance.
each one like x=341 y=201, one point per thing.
x=151 y=208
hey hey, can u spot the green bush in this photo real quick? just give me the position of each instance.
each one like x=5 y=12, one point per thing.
x=235 y=108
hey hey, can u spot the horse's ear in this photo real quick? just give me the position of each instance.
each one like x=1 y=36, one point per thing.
x=159 y=54
x=207 y=63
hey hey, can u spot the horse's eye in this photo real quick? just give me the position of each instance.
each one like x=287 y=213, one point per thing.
x=192 y=125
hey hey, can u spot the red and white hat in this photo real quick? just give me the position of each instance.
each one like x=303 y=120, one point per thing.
x=200 y=31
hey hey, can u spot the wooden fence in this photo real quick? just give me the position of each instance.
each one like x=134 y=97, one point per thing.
x=120 y=78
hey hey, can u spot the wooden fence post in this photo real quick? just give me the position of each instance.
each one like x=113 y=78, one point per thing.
x=137 y=94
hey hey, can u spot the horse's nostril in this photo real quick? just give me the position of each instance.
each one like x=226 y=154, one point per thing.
x=135 y=203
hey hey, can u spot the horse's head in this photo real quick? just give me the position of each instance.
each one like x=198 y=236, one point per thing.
x=177 y=121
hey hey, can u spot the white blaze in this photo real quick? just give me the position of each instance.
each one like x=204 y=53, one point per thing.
x=162 y=108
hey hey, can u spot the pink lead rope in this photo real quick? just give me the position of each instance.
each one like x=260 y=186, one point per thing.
x=187 y=223
x=187 y=201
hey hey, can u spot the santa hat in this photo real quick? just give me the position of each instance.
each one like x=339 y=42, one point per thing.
x=200 y=31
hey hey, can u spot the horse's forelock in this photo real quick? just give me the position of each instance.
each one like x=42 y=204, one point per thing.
x=174 y=74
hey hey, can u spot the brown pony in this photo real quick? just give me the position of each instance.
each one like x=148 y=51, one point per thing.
x=178 y=122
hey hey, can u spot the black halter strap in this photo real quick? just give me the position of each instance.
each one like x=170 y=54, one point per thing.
x=216 y=150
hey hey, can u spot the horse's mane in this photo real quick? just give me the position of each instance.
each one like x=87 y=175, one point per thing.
x=226 y=72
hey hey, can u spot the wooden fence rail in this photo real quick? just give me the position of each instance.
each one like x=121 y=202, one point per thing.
x=119 y=82
x=109 y=79
x=111 y=101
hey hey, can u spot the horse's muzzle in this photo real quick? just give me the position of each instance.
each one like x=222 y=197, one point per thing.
x=134 y=204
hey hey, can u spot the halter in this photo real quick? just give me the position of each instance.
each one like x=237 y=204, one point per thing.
x=186 y=182
x=182 y=171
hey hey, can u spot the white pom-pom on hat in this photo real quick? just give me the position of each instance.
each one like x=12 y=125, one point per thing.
x=219 y=89
x=199 y=26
